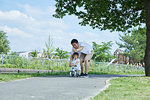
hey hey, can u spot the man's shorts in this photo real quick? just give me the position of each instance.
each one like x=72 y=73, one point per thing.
x=86 y=56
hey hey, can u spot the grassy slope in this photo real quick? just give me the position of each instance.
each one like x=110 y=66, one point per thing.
x=127 y=88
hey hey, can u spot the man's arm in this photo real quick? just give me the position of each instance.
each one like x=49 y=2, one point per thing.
x=79 y=49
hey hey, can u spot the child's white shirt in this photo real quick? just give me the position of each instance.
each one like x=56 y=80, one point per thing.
x=77 y=65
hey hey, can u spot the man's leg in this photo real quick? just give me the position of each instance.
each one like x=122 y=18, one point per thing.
x=81 y=64
x=86 y=66
x=82 y=57
x=86 y=61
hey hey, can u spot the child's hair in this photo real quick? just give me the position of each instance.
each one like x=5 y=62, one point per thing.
x=75 y=54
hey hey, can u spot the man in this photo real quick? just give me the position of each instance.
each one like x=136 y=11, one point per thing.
x=85 y=51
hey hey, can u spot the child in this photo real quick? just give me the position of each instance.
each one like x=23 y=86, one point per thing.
x=76 y=63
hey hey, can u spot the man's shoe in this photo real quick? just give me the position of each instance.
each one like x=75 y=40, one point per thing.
x=86 y=75
x=82 y=74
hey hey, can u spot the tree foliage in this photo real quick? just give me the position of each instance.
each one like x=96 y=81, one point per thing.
x=4 y=43
x=134 y=44
x=102 y=52
x=34 y=53
x=61 y=53
x=118 y=15
x=13 y=53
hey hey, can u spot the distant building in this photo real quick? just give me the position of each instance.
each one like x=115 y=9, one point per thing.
x=23 y=54
x=117 y=52
x=39 y=54
x=27 y=54
x=121 y=59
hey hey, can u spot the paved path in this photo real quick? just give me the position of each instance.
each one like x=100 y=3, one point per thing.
x=53 y=88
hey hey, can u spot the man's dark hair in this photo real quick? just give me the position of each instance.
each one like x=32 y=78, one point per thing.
x=74 y=41
x=75 y=54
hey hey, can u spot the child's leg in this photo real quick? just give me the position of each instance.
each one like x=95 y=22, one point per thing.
x=71 y=68
x=79 y=72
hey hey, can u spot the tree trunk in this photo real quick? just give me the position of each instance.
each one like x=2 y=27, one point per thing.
x=147 y=51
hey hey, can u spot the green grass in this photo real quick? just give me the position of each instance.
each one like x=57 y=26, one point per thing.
x=14 y=76
x=126 y=88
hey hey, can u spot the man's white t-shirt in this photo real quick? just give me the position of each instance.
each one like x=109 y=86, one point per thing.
x=86 y=50
x=77 y=65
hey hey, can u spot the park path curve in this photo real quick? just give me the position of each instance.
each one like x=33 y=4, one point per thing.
x=54 y=88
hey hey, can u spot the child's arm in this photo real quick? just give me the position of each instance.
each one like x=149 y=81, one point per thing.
x=77 y=62
x=70 y=63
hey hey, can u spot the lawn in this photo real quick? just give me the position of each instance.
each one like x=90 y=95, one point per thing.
x=126 y=88
x=15 y=76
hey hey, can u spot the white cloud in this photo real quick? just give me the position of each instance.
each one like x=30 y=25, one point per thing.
x=36 y=10
x=15 y=32
x=30 y=10
x=28 y=23
x=44 y=17
x=15 y=15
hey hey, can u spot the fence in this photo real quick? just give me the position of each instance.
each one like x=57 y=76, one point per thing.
x=106 y=67
x=12 y=61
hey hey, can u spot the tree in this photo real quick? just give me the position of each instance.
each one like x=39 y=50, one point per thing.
x=134 y=44
x=13 y=53
x=48 y=52
x=102 y=52
x=34 y=53
x=62 y=54
x=115 y=15
x=4 y=43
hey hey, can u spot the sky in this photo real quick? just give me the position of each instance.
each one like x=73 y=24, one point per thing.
x=29 y=23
